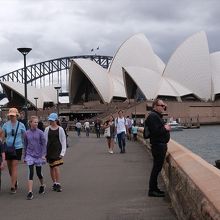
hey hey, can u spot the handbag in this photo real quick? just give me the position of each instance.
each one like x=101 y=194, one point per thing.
x=107 y=132
x=10 y=150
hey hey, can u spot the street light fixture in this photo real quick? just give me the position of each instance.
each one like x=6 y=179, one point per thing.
x=58 y=88
x=25 y=51
x=36 y=98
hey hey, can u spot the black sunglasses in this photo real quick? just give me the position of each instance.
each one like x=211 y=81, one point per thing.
x=163 y=106
x=12 y=132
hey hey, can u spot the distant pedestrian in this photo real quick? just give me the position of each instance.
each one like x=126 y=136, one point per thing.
x=87 y=128
x=34 y=155
x=97 y=128
x=134 y=131
x=56 y=149
x=129 y=125
x=22 y=120
x=40 y=125
x=64 y=125
x=14 y=133
x=121 y=130
x=110 y=133
x=78 y=128
x=159 y=137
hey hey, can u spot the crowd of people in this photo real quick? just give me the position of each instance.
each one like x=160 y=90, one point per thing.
x=38 y=146
x=48 y=145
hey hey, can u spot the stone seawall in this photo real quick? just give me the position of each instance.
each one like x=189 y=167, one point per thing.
x=192 y=183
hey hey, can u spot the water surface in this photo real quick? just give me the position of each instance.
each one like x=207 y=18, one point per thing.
x=204 y=141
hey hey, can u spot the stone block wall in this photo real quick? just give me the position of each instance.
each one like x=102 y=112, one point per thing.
x=192 y=184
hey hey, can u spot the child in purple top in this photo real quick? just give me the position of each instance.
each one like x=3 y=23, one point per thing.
x=34 y=154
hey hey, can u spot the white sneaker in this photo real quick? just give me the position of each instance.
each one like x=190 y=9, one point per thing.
x=111 y=152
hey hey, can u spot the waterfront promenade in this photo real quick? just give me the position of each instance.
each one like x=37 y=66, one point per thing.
x=96 y=186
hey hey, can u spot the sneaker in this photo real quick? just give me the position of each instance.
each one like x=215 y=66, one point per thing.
x=111 y=152
x=30 y=196
x=155 y=194
x=59 y=188
x=13 y=190
x=42 y=189
x=54 y=187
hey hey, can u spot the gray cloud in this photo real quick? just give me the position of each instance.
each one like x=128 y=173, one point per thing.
x=57 y=28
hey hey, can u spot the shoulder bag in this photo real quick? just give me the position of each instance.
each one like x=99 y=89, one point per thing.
x=10 y=150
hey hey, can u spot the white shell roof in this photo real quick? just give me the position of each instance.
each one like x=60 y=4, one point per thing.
x=190 y=70
x=146 y=79
x=96 y=75
x=136 y=51
x=47 y=94
x=190 y=65
x=215 y=65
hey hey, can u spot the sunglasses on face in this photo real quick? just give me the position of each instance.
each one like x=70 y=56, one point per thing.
x=163 y=106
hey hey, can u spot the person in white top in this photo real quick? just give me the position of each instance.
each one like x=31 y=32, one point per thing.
x=78 y=127
x=121 y=129
x=87 y=128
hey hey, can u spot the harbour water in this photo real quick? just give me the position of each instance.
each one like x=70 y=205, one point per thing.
x=204 y=141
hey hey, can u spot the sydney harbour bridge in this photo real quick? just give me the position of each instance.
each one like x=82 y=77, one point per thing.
x=50 y=72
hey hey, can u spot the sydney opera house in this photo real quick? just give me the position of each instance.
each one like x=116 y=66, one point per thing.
x=192 y=73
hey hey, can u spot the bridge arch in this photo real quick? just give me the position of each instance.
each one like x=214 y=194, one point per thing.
x=44 y=72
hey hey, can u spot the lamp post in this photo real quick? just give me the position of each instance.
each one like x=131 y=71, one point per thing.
x=36 y=98
x=57 y=88
x=25 y=51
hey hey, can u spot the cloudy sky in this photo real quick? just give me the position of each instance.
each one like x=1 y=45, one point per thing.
x=59 y=28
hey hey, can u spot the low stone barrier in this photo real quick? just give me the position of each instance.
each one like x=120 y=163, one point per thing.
x=192 y=183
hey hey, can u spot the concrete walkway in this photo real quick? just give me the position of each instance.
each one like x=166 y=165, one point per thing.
x=96 y=186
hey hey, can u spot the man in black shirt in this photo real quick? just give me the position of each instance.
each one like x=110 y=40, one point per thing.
x=97 y=128
x=159 y=137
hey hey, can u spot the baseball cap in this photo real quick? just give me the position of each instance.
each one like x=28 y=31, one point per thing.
x=13 y=112
x=53 y=117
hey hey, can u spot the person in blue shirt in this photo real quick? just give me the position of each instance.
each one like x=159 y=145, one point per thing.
x=134 y=131
x=14 y=133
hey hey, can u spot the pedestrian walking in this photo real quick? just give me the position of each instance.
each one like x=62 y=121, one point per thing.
x=41 y=125
x=14 y=133
x=159 y=137
x=121 y=130
x=78 y=128
x=109 y=133
x=134 y=131
x=87 y=128
x=56 y=149
x=64 y=125
x=129 y=125
x=34 y=155
x=97 y=128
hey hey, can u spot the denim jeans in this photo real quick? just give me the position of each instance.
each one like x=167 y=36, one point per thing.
x=121 y=141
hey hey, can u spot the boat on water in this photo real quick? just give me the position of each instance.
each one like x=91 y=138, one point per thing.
x=175 y=126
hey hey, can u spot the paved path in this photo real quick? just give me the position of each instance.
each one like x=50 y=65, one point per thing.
x=96 y=186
